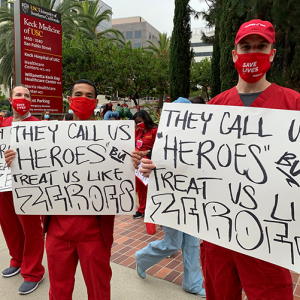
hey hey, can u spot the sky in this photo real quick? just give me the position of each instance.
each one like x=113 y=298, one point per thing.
x=159 y=13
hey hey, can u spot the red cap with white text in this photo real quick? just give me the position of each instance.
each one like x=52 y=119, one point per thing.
x=263 y=28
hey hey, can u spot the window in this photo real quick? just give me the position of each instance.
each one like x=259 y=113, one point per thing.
x=203 y=54
x=137 y=45
x=128 y=35
x=200 y=45
x=150 y=36
x=138 y=34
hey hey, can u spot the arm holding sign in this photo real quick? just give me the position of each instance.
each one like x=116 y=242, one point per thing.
x=9 y=156
x=136 y=158
x=146 y=167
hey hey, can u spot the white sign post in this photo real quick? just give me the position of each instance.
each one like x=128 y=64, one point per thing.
x=73 y=168
x=231 y=176
x=5 y=178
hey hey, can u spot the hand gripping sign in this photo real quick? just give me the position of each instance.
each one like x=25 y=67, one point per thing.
x=73 y=168
x=231 y=176
x=140 y=176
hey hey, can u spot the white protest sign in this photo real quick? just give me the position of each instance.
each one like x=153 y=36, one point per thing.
x=5 y=177
x=73 y=168
x=231 y=176
x=140 y=176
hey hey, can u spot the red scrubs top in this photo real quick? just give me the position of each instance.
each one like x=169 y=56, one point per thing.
x=148 y=138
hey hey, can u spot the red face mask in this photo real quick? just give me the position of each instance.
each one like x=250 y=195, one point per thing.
x=83 y=107
x=253 y=66
x=1 y=118
x=21 y=106
x=141 y=125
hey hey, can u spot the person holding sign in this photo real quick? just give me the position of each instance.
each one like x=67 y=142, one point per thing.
x=228 y=272
x=84 y=238
x=173 y=240
x=23 y=234
x=144 y=140
x=87 y=238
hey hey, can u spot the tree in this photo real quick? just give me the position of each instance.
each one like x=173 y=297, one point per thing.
x=215 y=78
x=92 y=19
x=213 y=18
x=136 y=71
x=162 y=52
x=163 y=48
x=229 y=25
x=200 y=76
x=180 y=52
x=84 y=58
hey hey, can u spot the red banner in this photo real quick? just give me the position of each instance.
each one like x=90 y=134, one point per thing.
x=41 y=57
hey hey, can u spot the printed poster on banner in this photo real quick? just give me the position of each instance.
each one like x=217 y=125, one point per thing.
x=230 y=176
x=5 y=177
x=73 y=168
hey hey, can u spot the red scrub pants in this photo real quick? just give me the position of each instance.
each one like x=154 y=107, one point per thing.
x=226 y=272
x=24 y=238
x=94 y=260
x=142 y=194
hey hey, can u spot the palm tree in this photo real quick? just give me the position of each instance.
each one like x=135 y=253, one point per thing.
x=93 y=18
x=161 y=52
x=6 y=45
x=163 y=47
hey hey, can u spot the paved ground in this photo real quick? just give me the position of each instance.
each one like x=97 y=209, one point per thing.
x=130 y=235
x=125 y=285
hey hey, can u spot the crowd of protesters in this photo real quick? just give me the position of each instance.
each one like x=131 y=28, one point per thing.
x=88 y=239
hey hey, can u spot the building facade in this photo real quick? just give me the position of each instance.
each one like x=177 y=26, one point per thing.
x=104 y=25
x=201 y=50
x=136 y=30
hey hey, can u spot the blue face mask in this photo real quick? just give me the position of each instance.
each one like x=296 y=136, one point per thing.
x=47 y=117
x=70 y=111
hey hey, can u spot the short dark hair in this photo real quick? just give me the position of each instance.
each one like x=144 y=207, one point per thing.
x=197 y=100
x=68 y=117
x=12 y=90
x=146 y=118
x=6 y=112
x=83 y=81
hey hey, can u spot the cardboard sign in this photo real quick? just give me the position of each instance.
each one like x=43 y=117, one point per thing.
x=230 y=176
x=5 y=178
x=73 y=168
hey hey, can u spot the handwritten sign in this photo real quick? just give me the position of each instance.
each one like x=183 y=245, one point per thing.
x=5 y=178
x=73 y=168
x=231 y=176
x=140 y=176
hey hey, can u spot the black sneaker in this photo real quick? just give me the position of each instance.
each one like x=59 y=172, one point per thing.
x=28 y=287
x=138 y=215
x=11 y=271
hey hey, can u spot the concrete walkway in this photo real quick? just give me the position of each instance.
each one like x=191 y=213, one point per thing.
x=125 y=284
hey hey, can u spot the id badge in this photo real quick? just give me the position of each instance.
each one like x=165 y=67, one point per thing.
x=139 y=144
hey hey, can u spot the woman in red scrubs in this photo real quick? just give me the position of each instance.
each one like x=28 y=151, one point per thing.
x=144 y=140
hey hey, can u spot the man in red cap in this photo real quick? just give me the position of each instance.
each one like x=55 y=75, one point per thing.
x=227 y=272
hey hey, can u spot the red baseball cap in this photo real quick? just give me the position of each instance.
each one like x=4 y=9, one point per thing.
x=263 y=28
